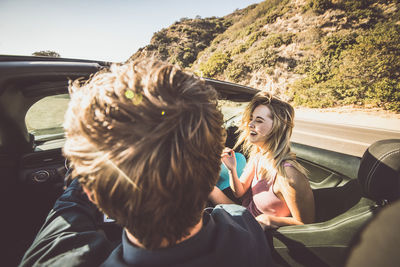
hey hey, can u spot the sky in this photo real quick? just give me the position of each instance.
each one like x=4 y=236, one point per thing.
x=108 y=30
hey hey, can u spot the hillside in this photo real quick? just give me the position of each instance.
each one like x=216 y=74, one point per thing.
x=315 y=53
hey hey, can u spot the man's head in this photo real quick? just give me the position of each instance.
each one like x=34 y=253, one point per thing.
x=146 y=139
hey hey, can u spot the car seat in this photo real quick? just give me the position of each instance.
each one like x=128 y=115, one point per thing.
x=379 y=240
x=342 y=211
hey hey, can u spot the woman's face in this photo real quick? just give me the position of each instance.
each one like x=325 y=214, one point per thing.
x=260 y=125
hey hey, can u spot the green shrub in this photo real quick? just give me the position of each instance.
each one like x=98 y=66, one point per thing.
x=236 y=71
x=360 y=9
x=354 y=5
x=320 y=70
x=254 y=37
x=216 y=64
x=354 y=69
x=318 y=6
x=335 y=44
x=278 y=39
x=306 y=93
x=162 y=49
x=271 y=18
x=239 y=49
x=371 y=67
x=262 y=58
x=189 y=57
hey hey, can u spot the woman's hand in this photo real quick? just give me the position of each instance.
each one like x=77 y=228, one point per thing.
x=228 y=158
x=266 y=222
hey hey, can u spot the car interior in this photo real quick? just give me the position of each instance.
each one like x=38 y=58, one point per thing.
x=348 y=190
x=342 y=208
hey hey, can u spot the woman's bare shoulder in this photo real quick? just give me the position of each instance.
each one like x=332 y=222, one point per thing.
x=294 y=177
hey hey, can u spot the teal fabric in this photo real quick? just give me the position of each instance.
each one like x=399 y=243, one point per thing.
x=223 y=181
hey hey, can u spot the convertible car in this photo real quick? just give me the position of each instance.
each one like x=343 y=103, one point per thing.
x=349 y=191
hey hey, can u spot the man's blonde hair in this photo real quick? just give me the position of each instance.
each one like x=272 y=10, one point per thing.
x=146 y=139
x=277 y=143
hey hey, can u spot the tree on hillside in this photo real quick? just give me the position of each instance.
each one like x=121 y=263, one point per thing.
x=46 y=53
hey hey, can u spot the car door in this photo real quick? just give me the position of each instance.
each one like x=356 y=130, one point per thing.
x=33 y=99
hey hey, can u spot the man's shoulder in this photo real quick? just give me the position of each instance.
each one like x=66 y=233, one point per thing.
x=239 y=233
x=232 y=209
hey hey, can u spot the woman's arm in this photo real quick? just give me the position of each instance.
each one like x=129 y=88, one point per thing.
x=218 y=197
x=273 y=222
x=299 y=198
x=238 y=186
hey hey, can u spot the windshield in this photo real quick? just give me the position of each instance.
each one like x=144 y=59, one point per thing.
x=44 y=120
x=232 y=112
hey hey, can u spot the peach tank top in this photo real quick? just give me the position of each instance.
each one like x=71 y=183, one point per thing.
x=262 y=199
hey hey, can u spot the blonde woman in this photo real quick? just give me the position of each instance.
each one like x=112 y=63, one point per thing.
x=273 y=185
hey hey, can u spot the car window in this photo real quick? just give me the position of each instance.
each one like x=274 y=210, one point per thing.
x=45 y=118
x=232 y=112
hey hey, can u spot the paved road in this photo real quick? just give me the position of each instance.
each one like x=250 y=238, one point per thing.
x=337 y=137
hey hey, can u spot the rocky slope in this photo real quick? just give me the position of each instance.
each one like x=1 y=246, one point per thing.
x=317 y=53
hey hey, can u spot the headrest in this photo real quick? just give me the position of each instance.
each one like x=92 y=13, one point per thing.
x=379 y=172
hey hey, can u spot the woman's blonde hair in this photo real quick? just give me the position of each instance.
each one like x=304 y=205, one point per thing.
x=276 y=147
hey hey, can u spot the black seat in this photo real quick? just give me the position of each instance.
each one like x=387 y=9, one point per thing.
x=379 y=239
x=379 y=171
x=341 y=212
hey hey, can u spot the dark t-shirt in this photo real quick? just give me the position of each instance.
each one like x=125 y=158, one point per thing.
x=230 y=236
